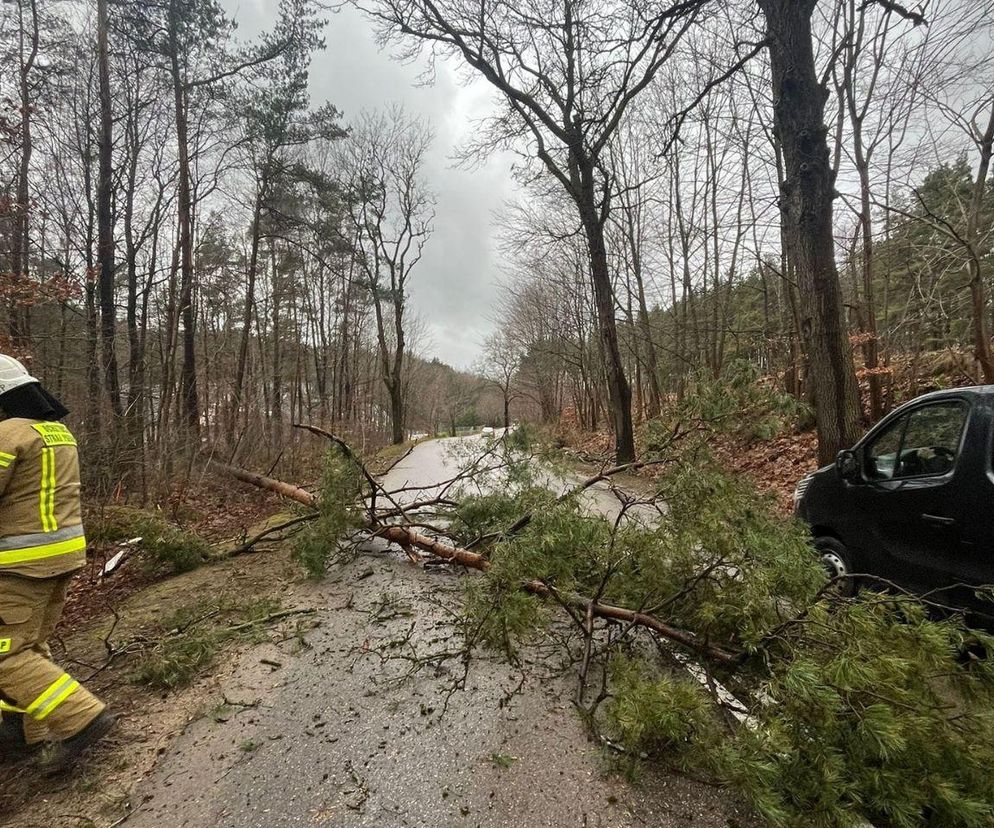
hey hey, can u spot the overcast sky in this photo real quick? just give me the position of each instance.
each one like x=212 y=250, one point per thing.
x=455 y=283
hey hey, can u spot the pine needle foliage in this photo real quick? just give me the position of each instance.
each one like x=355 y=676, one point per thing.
x=741 y=403
x=721 y=561
x=192 y=637
x=166 y=545
x=339 y=513
x=661 y=715
x=492 y=512
x=866 y=712
x=852 y=709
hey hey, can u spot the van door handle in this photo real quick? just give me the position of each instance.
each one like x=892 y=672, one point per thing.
x=938 y=520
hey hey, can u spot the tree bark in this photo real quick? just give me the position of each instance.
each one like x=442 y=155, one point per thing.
x=105 y=220
x=396 y=413
x=188 y=372
x=806 y=196
x=93 y=413
x=978 y=293
x=397 y=374
x=246 y=336
x=634 y=221
x=846 y=87
x=619 y=391
x=19 y=242
x=277 y=278
x=871 y=348
x=655 y=405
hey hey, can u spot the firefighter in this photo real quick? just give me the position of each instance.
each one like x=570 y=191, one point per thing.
x=41 y=547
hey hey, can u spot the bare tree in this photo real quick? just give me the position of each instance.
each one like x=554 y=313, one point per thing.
x=966 y=107
x=499 y=365
x=28 y=39
x=568 y=74
x=630 y=167
x=105 y=216
x=392 y=213
x=966 y=231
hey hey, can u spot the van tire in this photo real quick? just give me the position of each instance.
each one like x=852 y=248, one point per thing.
x=837 y=560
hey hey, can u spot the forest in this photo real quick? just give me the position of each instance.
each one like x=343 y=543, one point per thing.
x=742 y=233
x=193 y=249
x=193 y=253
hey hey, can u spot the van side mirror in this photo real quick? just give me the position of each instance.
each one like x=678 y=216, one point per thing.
x=847 y=462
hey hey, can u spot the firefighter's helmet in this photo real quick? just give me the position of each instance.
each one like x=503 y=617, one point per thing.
x=13 y=374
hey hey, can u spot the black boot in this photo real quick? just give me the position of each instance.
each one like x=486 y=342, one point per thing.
x=12 y=743
x=67 y=753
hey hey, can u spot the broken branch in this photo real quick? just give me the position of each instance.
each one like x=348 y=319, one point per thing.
x=275 y=616
x=403 y=536
x=374 y=486
x=272 y=530
x=287 y=490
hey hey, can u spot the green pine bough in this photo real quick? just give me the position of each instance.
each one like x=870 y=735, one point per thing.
x=821 y=710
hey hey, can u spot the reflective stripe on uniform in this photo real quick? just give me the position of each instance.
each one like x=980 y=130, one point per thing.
x=9 y=708
x=6 y=459
x=40 y=538
x=58 y=691
x=37 y=553
x=46 y=494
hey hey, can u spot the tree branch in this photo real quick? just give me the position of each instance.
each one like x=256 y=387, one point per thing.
x=917 y=18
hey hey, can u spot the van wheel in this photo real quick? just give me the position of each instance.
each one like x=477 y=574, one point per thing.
x=837 y=561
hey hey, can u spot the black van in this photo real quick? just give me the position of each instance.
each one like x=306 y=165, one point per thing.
x=913 y=501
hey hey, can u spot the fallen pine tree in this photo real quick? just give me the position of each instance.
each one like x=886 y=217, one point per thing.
x=856 y=708
x=408 y=538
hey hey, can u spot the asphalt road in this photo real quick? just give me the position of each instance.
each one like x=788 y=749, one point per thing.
x=334 y=731
x=439 y=460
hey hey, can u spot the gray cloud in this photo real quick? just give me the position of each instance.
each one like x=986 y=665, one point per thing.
x=455 y=285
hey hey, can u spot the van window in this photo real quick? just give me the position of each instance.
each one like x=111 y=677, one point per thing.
x=923 y=443
x=931 y=440
x=881 y=455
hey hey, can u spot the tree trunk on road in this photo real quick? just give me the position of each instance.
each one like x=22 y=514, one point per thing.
x=408 y=537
